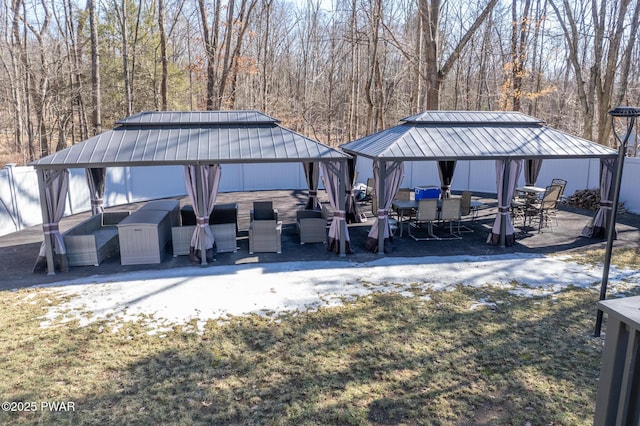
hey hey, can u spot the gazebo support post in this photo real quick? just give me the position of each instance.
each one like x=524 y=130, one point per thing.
x=201 y=208
x=380 y=188
x=48 y=238
x=342 y=176
x=504 y=202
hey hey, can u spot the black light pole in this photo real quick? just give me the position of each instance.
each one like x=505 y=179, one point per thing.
x=630 y=115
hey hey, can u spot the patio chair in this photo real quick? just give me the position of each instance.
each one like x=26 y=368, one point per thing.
x=403 y=194
x=312 y=227
x=263 y=210
x=562 y=183
x=450 y=212
x=265 y=236
x=374 y=206
x=466 y=210
x=265 y=231
x=426 y=214
x=370 y=191
x=518 y=212
x=544 y=211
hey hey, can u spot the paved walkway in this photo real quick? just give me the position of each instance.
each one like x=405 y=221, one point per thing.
x=19 y=250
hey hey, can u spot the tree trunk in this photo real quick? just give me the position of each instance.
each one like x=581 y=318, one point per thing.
x=121 y=11
x=373 y=85
x=267 y=7
x=95 y=69
x=163 y=56
x=16 y=80
x=429 y=12
x=211 y=47
x=518 y=50
x=232 y=67
x=596 y=98
x=77 y=102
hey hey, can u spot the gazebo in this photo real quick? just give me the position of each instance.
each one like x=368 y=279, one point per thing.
x=514 y=140
x=200 y=141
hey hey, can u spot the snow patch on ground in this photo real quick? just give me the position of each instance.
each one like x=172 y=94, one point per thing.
x=172 y=297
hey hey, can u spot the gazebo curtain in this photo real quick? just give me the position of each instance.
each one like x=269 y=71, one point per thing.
x=331 y=172
x=351 y=206
x=446 y=169
x=507 y=173
x=532 y=171
x=597 y=228
x=202 y=182
x=56 y=186
x=388 y=177
x=96 y=178
x=312 y=174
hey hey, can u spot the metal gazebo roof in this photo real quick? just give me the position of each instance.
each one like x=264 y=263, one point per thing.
x=203 y=137
x=473 y=135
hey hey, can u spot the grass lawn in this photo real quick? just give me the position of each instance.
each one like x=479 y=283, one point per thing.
x=436 y=358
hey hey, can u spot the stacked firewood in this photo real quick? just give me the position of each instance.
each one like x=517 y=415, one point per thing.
x=585 y=199
x=588 y=199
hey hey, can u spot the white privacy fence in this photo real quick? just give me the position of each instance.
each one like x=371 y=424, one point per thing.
x=20 y=200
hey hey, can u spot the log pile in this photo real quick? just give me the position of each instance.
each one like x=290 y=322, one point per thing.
x=589 y=199
x=585 y=199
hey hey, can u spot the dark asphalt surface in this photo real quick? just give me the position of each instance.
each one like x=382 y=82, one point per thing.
x=19 y=250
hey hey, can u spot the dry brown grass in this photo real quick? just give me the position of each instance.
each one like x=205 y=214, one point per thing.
x=621 y=257
x=434 y=358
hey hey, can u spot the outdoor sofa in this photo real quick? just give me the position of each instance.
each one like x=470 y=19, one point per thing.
x=223 y=222
x=94 y=239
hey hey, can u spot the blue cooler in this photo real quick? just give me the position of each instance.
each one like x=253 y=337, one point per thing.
x=422 y=192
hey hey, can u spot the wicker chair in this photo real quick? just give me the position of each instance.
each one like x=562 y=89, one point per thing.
x=265 y=231
x=312 y=227
x=263 y=210
x=265 y=236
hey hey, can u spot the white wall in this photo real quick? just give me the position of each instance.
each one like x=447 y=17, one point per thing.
x=19 y=199
x=20 y=205
x=629 y=192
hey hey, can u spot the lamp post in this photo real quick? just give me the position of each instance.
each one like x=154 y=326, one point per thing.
x=630 y=114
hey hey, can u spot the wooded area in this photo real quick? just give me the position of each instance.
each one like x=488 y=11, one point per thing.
x=333 y=70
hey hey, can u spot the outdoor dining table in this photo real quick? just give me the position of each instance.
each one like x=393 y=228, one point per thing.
x=404 y=208
x=530 y=190
x=409 y=207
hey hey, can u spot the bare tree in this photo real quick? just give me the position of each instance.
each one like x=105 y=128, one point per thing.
x=232 y=55
x=437 y=68
x=332 y=70
x=519 y=33
x=12 y=41
x=121 y=9
x=163 y=56
x=603 y=57
x=373 y=85
x=95 y=69
x=73 y=33
x=210 y=38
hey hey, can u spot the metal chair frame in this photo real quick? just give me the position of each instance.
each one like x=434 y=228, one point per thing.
x=427 y=213
x=450 y=212
x=544 y=211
